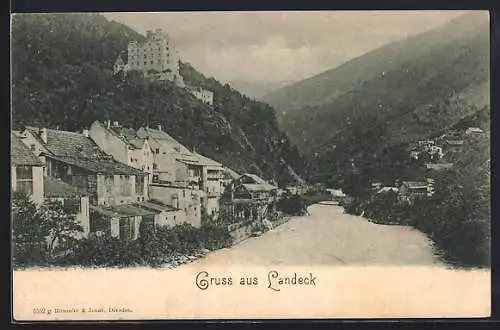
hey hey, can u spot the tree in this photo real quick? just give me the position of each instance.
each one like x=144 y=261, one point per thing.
x=29 y=232
x=61 y=227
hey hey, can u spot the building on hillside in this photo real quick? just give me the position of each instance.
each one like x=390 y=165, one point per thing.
x=26 y=170
x=72 y=199
x=201 y=94
x=438 y=166
x=408 y=191
x=453 y=145
x=473 y=130
x=248 y=198
x=156 y=57
x=124 y=145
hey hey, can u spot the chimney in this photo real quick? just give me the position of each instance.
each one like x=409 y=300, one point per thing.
x=43 y=135
x=159 y=127
x=115 y=123
x=85 y=132
x=108 y=123
x=149 y=34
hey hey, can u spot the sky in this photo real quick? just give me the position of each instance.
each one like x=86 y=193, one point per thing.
x=280 y=46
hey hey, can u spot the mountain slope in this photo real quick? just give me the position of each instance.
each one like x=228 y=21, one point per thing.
x=62 y=77
x=397 y=82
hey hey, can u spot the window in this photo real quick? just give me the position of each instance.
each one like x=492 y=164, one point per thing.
x=157 y=150
x=125 y=185
x=145 y=56
x=109 y=181
x=151 y=62
x=139 y=185
x=32 y=147
x=24 y=179
x=126 y=228
x=154 y=166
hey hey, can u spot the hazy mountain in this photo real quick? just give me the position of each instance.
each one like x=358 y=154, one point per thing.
x=397 y=93
x=62 y=77
x=257 y=89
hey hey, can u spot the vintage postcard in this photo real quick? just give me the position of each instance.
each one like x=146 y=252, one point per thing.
x=250 y=165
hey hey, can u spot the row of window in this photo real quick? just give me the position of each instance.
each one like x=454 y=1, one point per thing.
x=145 y=50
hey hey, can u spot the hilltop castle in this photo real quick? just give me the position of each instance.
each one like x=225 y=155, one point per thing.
x=156 y=57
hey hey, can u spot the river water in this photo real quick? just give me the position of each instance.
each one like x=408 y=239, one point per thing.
x=330 y=237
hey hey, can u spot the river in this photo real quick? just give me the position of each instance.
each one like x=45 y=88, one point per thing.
x=330 y=237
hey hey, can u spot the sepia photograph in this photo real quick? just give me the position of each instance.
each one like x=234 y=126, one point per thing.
x=250 y=165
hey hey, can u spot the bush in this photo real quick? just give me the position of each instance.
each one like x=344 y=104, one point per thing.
x=28 y=232
x=215 y=237
x=292 y=205
x=105 y=251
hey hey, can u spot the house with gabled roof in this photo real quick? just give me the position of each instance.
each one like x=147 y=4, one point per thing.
x=177 y=166
x=248 y=197
x=26 y=170
x=77 y=160
x=408 y=191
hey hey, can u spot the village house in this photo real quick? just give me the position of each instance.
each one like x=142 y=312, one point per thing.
x=408 y=191
x=452 y=145
x=26 y=170
x=248 y=198
x=76 y=160
x=125 y=146
x=183 y=178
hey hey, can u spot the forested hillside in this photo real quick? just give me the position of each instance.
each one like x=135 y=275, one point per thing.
x=398 y=93
x=62 y=78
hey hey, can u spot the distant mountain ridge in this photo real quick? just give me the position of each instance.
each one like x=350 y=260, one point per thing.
x=406 y=90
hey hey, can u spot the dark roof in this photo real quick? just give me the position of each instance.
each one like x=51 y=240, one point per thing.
x=128 y=135
x=80 y=151
x=20 y=154
x=154 y=205
x=102 y=166
x=55 y=188
x=121 y=211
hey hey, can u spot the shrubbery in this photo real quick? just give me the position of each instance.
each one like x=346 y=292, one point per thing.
x=41 y=234
x=153 y=247
x=292 y=205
